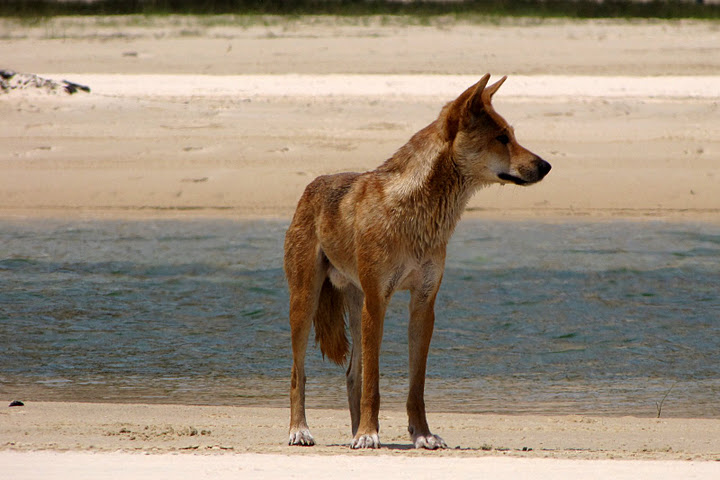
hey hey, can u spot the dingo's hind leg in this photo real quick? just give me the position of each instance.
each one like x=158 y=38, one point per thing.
x=305 y=274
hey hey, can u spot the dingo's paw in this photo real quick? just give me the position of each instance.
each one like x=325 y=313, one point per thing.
x=366 y=441
x=302 y=438
x=429 y=441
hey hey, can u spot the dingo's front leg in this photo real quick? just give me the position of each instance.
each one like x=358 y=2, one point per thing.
x=420 y=330
x=354 y=302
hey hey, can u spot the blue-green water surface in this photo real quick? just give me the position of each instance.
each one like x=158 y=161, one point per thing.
x=533 y=317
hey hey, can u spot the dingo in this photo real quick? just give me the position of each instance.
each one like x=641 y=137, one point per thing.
x=356 y=238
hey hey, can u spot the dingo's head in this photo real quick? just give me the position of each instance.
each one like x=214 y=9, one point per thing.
x=484 y=144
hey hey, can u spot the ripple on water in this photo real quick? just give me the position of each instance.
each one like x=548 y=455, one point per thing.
x=532 y=317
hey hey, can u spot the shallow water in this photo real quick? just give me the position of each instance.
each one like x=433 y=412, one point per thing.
x=582 y=317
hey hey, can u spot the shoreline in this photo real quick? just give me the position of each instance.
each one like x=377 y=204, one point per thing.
x=149 y=213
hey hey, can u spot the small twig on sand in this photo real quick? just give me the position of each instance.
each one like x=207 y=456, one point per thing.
x=659 y=404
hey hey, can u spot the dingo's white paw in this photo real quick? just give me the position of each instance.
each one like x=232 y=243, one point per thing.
x=430 y=441
x=301 y=437
x=366 y=441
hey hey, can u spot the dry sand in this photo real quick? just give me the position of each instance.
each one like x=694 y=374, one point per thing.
x=192 y=145
x=109 y=466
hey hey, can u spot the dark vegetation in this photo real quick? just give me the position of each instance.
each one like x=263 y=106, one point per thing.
x=666 y=9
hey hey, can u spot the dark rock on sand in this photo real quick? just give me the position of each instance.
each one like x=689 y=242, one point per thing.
x=12 y=81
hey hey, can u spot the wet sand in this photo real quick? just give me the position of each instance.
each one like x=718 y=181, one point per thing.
x=79 y=441
x=64 y=426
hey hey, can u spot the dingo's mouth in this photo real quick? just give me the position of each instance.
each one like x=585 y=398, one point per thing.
x=512 y=178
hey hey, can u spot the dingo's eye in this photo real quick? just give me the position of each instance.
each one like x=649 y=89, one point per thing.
x=504 y=139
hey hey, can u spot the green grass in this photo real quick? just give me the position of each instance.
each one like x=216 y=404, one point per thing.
x=664 y=9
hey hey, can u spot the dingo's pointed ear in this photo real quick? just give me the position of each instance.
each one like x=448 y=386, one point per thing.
x=490 y=91
x=469 y=103
x=475 y=104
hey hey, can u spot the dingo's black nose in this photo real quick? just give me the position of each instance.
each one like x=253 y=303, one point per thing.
x=543 y=167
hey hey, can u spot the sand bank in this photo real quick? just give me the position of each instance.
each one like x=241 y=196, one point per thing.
x=241 y=45
x=233 y=116
x=246 y=146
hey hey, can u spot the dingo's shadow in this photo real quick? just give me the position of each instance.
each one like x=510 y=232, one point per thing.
x=384 y=446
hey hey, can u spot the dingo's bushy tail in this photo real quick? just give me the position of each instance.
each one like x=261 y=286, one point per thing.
x=329 y=323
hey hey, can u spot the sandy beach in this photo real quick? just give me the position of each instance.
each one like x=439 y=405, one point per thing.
x=80 y=440
x=195 y=117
